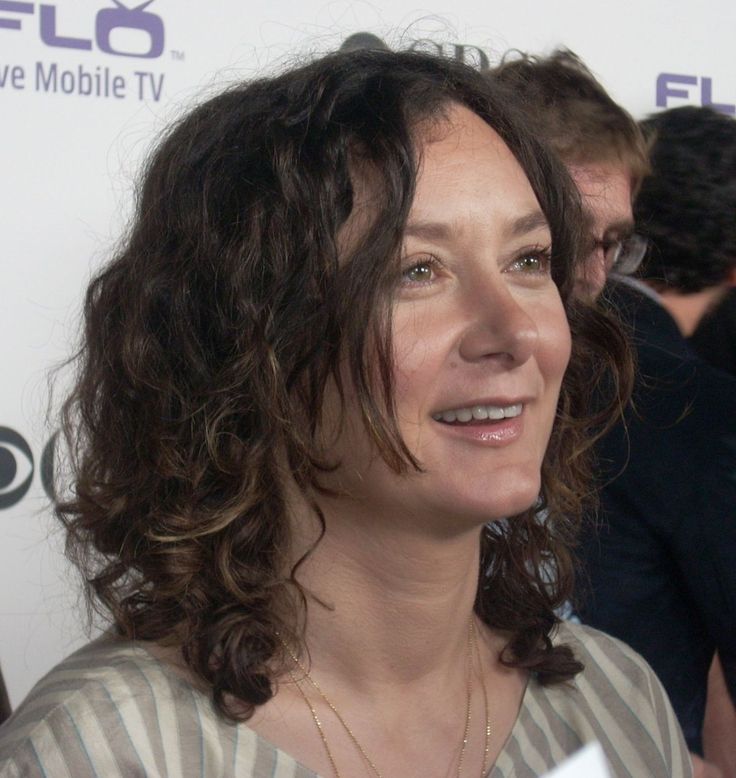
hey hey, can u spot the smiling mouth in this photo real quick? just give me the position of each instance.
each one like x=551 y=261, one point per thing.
x=479 y=414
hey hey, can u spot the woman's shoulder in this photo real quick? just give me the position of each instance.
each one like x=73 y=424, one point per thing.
x=601 y=653
x=614 y=677
x=120 y=708
x=107 y=668
x=617 y=700
x=104 y=710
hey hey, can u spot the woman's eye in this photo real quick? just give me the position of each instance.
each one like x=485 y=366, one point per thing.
x=537 y=262
x=420 y=273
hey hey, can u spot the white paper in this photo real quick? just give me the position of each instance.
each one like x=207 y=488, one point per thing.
x=588 y=762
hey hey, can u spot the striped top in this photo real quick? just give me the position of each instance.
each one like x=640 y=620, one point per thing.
x=112 y=709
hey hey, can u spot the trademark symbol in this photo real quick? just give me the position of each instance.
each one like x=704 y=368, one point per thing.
x=177 y=54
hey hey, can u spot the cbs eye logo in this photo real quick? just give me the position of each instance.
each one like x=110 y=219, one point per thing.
x=463 y=52
x=17 y=467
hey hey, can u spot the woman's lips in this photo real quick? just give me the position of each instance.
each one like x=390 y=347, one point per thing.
x=494 y=432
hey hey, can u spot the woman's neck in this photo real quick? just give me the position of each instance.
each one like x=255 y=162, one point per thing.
x=388 y=606
x=393 y=645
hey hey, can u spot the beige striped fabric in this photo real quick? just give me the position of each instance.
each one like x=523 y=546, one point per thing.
x=112 y=709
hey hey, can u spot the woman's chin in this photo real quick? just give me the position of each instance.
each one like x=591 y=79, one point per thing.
x=492 y=504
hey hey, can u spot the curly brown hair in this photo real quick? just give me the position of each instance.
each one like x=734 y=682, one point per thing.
x=209 y=340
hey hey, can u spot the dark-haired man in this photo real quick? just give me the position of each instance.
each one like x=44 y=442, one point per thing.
x=687 y=207
x=660 y=567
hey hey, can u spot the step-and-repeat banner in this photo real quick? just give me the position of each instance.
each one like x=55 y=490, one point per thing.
x=86 y=87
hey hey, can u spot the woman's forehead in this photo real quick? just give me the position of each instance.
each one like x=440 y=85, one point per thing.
x=469 y=173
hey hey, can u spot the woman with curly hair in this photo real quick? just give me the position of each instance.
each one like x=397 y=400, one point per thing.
x=323 y=395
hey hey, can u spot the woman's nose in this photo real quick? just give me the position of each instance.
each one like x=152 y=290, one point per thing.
x=501 y=327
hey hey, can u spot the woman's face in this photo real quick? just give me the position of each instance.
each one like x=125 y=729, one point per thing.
x=480 y=337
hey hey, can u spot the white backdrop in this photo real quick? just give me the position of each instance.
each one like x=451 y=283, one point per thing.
x=85 y=86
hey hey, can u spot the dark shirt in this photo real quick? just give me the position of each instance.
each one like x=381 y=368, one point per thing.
x=661 y=564
x=715 y=338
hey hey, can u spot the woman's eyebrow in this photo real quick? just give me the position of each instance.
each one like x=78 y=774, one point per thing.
x=531 y=221
x=438 y=231
x=442 y=231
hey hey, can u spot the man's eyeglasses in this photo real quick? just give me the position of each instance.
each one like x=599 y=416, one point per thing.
x=623 y=256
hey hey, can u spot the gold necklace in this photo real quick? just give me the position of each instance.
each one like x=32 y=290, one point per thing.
x=487 y=732
x=472 y=649
x=316 y=720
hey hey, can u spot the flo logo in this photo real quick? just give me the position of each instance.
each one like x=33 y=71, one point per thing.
x=147 y=28
x=17 y=467
x=681 y=86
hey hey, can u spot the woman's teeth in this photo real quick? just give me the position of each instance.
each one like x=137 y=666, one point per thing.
x=478 y=413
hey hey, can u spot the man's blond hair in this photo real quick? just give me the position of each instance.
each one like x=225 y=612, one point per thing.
x=572 y=112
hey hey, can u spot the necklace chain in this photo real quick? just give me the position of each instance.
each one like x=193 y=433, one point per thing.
x=487 y=730
x=473 y=651
x=318 y=724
